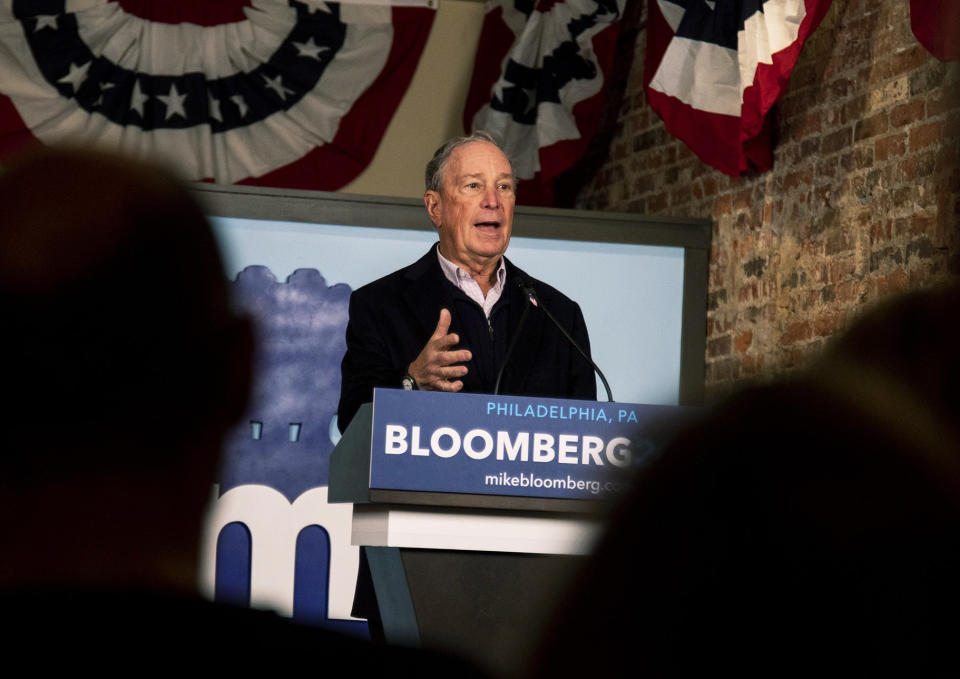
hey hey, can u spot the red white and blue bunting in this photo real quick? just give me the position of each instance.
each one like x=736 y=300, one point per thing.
x=538 y=83
x=293 y=94
x=936 y=26
x=714 y=69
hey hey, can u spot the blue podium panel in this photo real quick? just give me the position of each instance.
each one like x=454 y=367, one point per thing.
x=507 y=445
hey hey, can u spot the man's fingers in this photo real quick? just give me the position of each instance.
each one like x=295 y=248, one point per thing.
x=449 y=386
x=444 y=341
x=451 y=357
x=443 y=324
x=453 y=371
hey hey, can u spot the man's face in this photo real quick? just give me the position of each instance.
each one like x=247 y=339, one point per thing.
x=473 y=212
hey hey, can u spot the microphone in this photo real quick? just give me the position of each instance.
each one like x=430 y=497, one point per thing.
x=531 y=292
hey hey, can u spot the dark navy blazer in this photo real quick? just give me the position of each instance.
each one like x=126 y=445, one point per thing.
x=392 y=318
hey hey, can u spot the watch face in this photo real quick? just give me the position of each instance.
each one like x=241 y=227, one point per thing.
x=408 y=383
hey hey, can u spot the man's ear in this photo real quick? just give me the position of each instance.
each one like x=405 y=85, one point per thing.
x=431 y=199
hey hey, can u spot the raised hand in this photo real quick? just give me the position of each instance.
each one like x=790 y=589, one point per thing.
x=433 y=369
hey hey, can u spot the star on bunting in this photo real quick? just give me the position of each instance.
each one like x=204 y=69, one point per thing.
x=138 y=98
x=310 y=49
x=174 y=102
x=214 y=106
x=238 y=101
x=76 y=76
x=276 y=85
x=46 y=21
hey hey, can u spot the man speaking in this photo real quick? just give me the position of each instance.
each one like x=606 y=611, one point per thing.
x=445 y=322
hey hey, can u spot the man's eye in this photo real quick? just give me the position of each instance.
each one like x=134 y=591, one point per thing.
x=506 y=187
x=473 y=185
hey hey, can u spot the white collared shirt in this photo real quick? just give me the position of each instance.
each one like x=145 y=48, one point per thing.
x=470 y=287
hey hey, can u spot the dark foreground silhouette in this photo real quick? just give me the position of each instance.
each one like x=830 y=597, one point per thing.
x=806 y=527
x=123 y=366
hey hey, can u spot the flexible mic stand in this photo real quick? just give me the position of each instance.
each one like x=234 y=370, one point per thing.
x=534 y=298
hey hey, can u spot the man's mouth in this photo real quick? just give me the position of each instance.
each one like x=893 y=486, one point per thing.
x=494 y=225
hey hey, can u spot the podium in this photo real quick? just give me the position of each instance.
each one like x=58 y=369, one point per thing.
x=477 y=573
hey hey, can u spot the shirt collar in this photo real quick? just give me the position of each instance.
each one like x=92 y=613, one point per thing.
x=457 y=275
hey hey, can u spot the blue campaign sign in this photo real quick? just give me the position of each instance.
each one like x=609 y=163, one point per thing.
x=507 y=445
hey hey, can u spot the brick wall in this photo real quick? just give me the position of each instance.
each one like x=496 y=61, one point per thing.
x=861 y=201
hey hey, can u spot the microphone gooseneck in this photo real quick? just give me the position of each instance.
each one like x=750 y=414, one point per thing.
x=531 y=292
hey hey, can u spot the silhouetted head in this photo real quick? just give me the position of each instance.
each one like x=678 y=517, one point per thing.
x=806 y=526
x=120 y=347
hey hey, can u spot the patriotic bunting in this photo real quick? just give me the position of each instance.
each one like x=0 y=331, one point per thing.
x=936 y=25
x=538 y=83
x=714 y=69
x=294 y=94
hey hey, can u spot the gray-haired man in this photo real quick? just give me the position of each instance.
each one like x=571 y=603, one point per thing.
x=444 y=322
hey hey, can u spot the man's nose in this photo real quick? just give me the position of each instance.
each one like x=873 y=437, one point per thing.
x=491 y=198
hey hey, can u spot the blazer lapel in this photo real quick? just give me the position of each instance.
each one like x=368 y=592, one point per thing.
x=424 y=294
x=428 y=292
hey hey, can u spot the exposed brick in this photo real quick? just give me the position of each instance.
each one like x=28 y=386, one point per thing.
x=926 y=79
x=909 y=59
x=681 y=195
x=809 y=147
x=727 y=369
x=889 y=147
x=721 y=206
x=795 y=332
x=938 y=102
x=836 y=141
x=752 y=365
x=885 y=257
x=921 y=248
x=847 y=292
x=916 y=167
x=826 y=323
x=907 y=113
x=925 y=135
x=837 y=243
x=795 y=279
x=883 y=286
x=808 y=125
x=890 y=93
x=755 y=267
x=827 y=168
x=645 y=183
x=720 y=346
x=858 y=159
x=716 y=298
x=840 y=269
x=658 y=203
x=742 y=341
x=794 y=179
x=826 y=220
x=649 y=139
x=863 y=199
x=743 y=200
x=871 y=127
x=838 y=88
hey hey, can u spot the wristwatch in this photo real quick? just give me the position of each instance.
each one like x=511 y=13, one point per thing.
x=409 y=384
